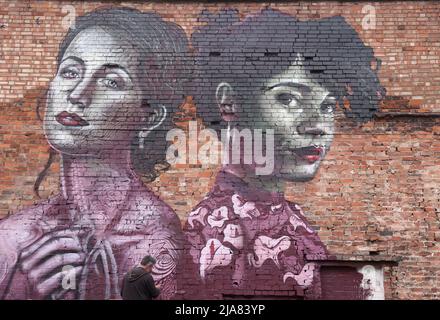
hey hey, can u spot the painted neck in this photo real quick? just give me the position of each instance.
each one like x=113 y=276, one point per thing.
x=96 y=183
x=247 y=170
x=247 y=174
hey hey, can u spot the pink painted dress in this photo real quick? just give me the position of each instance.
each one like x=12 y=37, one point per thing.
x=246 y=242
x=143 y=225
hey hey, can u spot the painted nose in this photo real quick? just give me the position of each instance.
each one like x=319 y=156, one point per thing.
x=78 y=104
x=311 y=122
x=80 y=96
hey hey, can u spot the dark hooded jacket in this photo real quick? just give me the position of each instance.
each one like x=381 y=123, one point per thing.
x=138 y=285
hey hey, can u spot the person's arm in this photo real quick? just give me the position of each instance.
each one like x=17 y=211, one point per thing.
x=151 y=287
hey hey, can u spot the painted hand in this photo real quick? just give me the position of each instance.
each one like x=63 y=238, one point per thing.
x=44 y=260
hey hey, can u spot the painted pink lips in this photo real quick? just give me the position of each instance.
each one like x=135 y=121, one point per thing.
x=310 y=154
x=70 y=119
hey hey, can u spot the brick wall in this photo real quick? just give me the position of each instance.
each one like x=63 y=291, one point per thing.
x=375 y=199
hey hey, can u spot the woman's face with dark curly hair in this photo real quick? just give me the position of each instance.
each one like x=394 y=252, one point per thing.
x=95 y=100
x=301 y=112
x=287 y=77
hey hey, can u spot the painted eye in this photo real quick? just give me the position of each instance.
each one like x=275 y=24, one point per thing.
x=328 y=107
x=287 y=99
x=70 y=74
x=111 y=83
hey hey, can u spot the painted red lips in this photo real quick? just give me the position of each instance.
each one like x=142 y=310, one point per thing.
x=71 y=119
x=310 y=154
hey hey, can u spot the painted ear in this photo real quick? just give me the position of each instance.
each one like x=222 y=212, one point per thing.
x=226 y=101
x=156 y=118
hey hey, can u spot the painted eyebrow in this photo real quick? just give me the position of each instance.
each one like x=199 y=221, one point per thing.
x=298 y=86
x=79 y=60
x=116 y=66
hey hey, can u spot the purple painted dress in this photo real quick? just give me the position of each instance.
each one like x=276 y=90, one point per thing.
x=143 y=224
x=247 y=242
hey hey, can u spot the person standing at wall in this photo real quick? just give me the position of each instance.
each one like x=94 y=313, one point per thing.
x=138 y=284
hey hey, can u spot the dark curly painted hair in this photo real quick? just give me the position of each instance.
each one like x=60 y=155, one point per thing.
x=248 y=52
x=166 y=61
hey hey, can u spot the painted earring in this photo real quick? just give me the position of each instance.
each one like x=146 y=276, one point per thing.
x=142 y=135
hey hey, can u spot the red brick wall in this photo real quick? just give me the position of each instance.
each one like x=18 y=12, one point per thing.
x=376 y=193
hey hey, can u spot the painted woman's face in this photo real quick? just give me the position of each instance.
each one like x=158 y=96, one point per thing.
x=94 y=101
x=301 y=112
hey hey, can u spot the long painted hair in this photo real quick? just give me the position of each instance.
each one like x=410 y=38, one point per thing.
x=247 y=52
x=168 y=74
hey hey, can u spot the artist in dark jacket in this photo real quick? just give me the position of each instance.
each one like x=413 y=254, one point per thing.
x=138 y=283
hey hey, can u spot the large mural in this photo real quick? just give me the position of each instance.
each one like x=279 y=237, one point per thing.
x=103 y=109
x=121 y=76
x=272 y=72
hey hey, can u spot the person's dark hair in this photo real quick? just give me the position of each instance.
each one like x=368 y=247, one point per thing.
x=148 y=259
x=247 y=53
x=165 y=57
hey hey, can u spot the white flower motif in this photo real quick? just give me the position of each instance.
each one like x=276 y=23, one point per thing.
x=214 y=254
x=234 y=235
x=305 y=277
x=218 y=217
x=268 y=248
x=275 y=208
x=197 y=215
x=296 y=222
x=244 y=209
